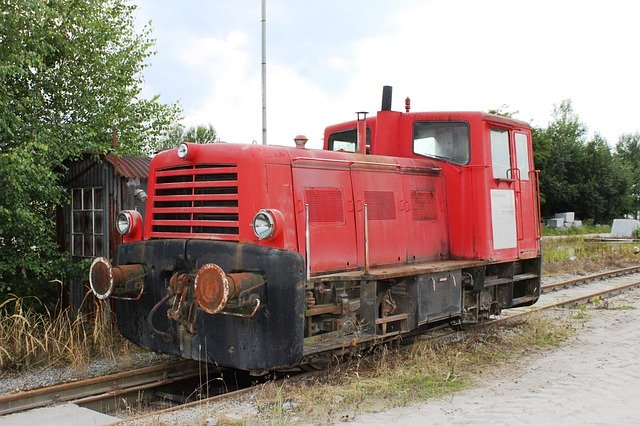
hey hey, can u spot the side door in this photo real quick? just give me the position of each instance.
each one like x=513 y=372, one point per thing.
x=526 y=193
x=512 y=192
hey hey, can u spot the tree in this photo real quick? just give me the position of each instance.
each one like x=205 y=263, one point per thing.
x=177 y=133
x=605 y=186
x=628 y=154
x=576 y=174
x=556 y=149
x=70 y=72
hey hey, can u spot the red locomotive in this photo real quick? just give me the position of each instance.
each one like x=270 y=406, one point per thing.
x=262 y=257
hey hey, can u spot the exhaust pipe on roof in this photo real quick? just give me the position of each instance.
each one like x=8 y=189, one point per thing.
x=386 y=98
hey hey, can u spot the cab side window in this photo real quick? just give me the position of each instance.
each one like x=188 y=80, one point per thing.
x=522 y=155
x=500 y=154
x=347 y=140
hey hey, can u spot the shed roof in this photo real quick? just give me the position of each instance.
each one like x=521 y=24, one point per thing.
x=130 y=167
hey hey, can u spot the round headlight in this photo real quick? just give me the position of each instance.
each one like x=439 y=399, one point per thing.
x=123 y=223
x=264 y=225
x=183 y=150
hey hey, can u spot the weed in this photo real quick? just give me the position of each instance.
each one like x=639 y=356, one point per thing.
x=573 y=255
x=394 y=377
x=581 y=312
x=31 y=337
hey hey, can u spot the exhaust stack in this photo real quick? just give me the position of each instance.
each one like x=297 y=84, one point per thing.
x=386 y=98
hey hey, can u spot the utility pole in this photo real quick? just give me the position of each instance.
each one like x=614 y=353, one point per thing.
x=264 y=72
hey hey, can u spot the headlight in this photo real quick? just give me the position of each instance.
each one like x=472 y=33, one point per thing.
x=264 y=224
x=123 y=223
x=183 y=150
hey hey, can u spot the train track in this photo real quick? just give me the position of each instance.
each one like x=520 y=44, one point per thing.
x=101 y=393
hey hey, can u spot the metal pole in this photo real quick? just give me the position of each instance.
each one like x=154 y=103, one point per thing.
x=264 y=72
x=366 y=239
x=307 y=242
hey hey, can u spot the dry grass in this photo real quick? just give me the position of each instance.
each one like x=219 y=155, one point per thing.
x=30 y=338
x=395 y=377
x=573 y=255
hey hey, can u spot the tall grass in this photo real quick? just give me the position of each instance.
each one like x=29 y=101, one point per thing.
x=32 y=337
x=587 y=228
x=396 y=377
x=573 y=255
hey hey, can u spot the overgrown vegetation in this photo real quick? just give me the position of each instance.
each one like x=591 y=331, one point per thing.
x=395 y=377
x=70 y=73
x=574 y=255
x=31 y=336
x=587 y=228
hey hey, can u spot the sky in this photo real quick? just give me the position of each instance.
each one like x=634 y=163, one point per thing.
x=327 y=59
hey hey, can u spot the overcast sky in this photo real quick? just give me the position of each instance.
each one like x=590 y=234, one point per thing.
x=327 y=59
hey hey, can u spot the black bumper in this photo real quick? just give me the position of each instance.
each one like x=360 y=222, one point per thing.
x=270 y=339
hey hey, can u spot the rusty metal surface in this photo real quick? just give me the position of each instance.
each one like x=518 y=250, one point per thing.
x=129 y=167
x=381 y=273
x=124 y=281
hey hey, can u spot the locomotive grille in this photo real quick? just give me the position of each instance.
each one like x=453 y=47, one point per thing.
x=196 y=202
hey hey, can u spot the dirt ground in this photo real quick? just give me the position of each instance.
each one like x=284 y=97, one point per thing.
x=592 y=379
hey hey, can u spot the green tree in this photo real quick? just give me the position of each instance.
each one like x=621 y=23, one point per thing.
x=605 y=186
x=70 y=72
x=177 y=133
x=578 y=175
x=556 y=149
x=628 y=154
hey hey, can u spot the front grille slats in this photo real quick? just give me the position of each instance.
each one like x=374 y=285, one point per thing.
x=201 y=210
x=181 y=234
x=196 y=202
x=229 y=169
x=205 y=197
x=231 y=184
x=192 y=223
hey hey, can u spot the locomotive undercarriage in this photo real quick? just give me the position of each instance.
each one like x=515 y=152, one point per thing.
x=344 y=316
x=273 y=318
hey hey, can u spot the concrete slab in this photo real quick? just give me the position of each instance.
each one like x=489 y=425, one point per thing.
x=555 y=223
x=58 y=415
x=567 y=216
x=623 y=228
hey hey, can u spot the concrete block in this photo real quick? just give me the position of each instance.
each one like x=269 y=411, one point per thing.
x=576 y=224
x=557 y=222
x=623 y=228
x=567 y=216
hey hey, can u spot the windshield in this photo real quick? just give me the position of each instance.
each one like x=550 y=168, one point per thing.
x=447 y=140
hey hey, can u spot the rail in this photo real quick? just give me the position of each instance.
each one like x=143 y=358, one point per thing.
x=92 y=392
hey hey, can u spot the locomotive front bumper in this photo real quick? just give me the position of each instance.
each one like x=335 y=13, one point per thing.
x=237 y=305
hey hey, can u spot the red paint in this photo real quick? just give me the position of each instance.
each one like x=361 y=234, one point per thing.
x=419 y=208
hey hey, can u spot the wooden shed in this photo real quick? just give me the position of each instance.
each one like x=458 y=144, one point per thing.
x=99 y=187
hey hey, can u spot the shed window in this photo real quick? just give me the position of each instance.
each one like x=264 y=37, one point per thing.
x=87 y=212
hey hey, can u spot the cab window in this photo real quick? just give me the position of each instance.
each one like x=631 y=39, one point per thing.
x=500 y=154
x=446 y=140
x=522 y=155
x=347 y=140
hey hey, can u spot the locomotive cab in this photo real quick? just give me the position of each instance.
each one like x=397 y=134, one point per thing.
x=266 y=257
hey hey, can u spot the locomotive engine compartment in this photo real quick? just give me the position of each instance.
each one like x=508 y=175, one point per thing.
x=265 y=257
